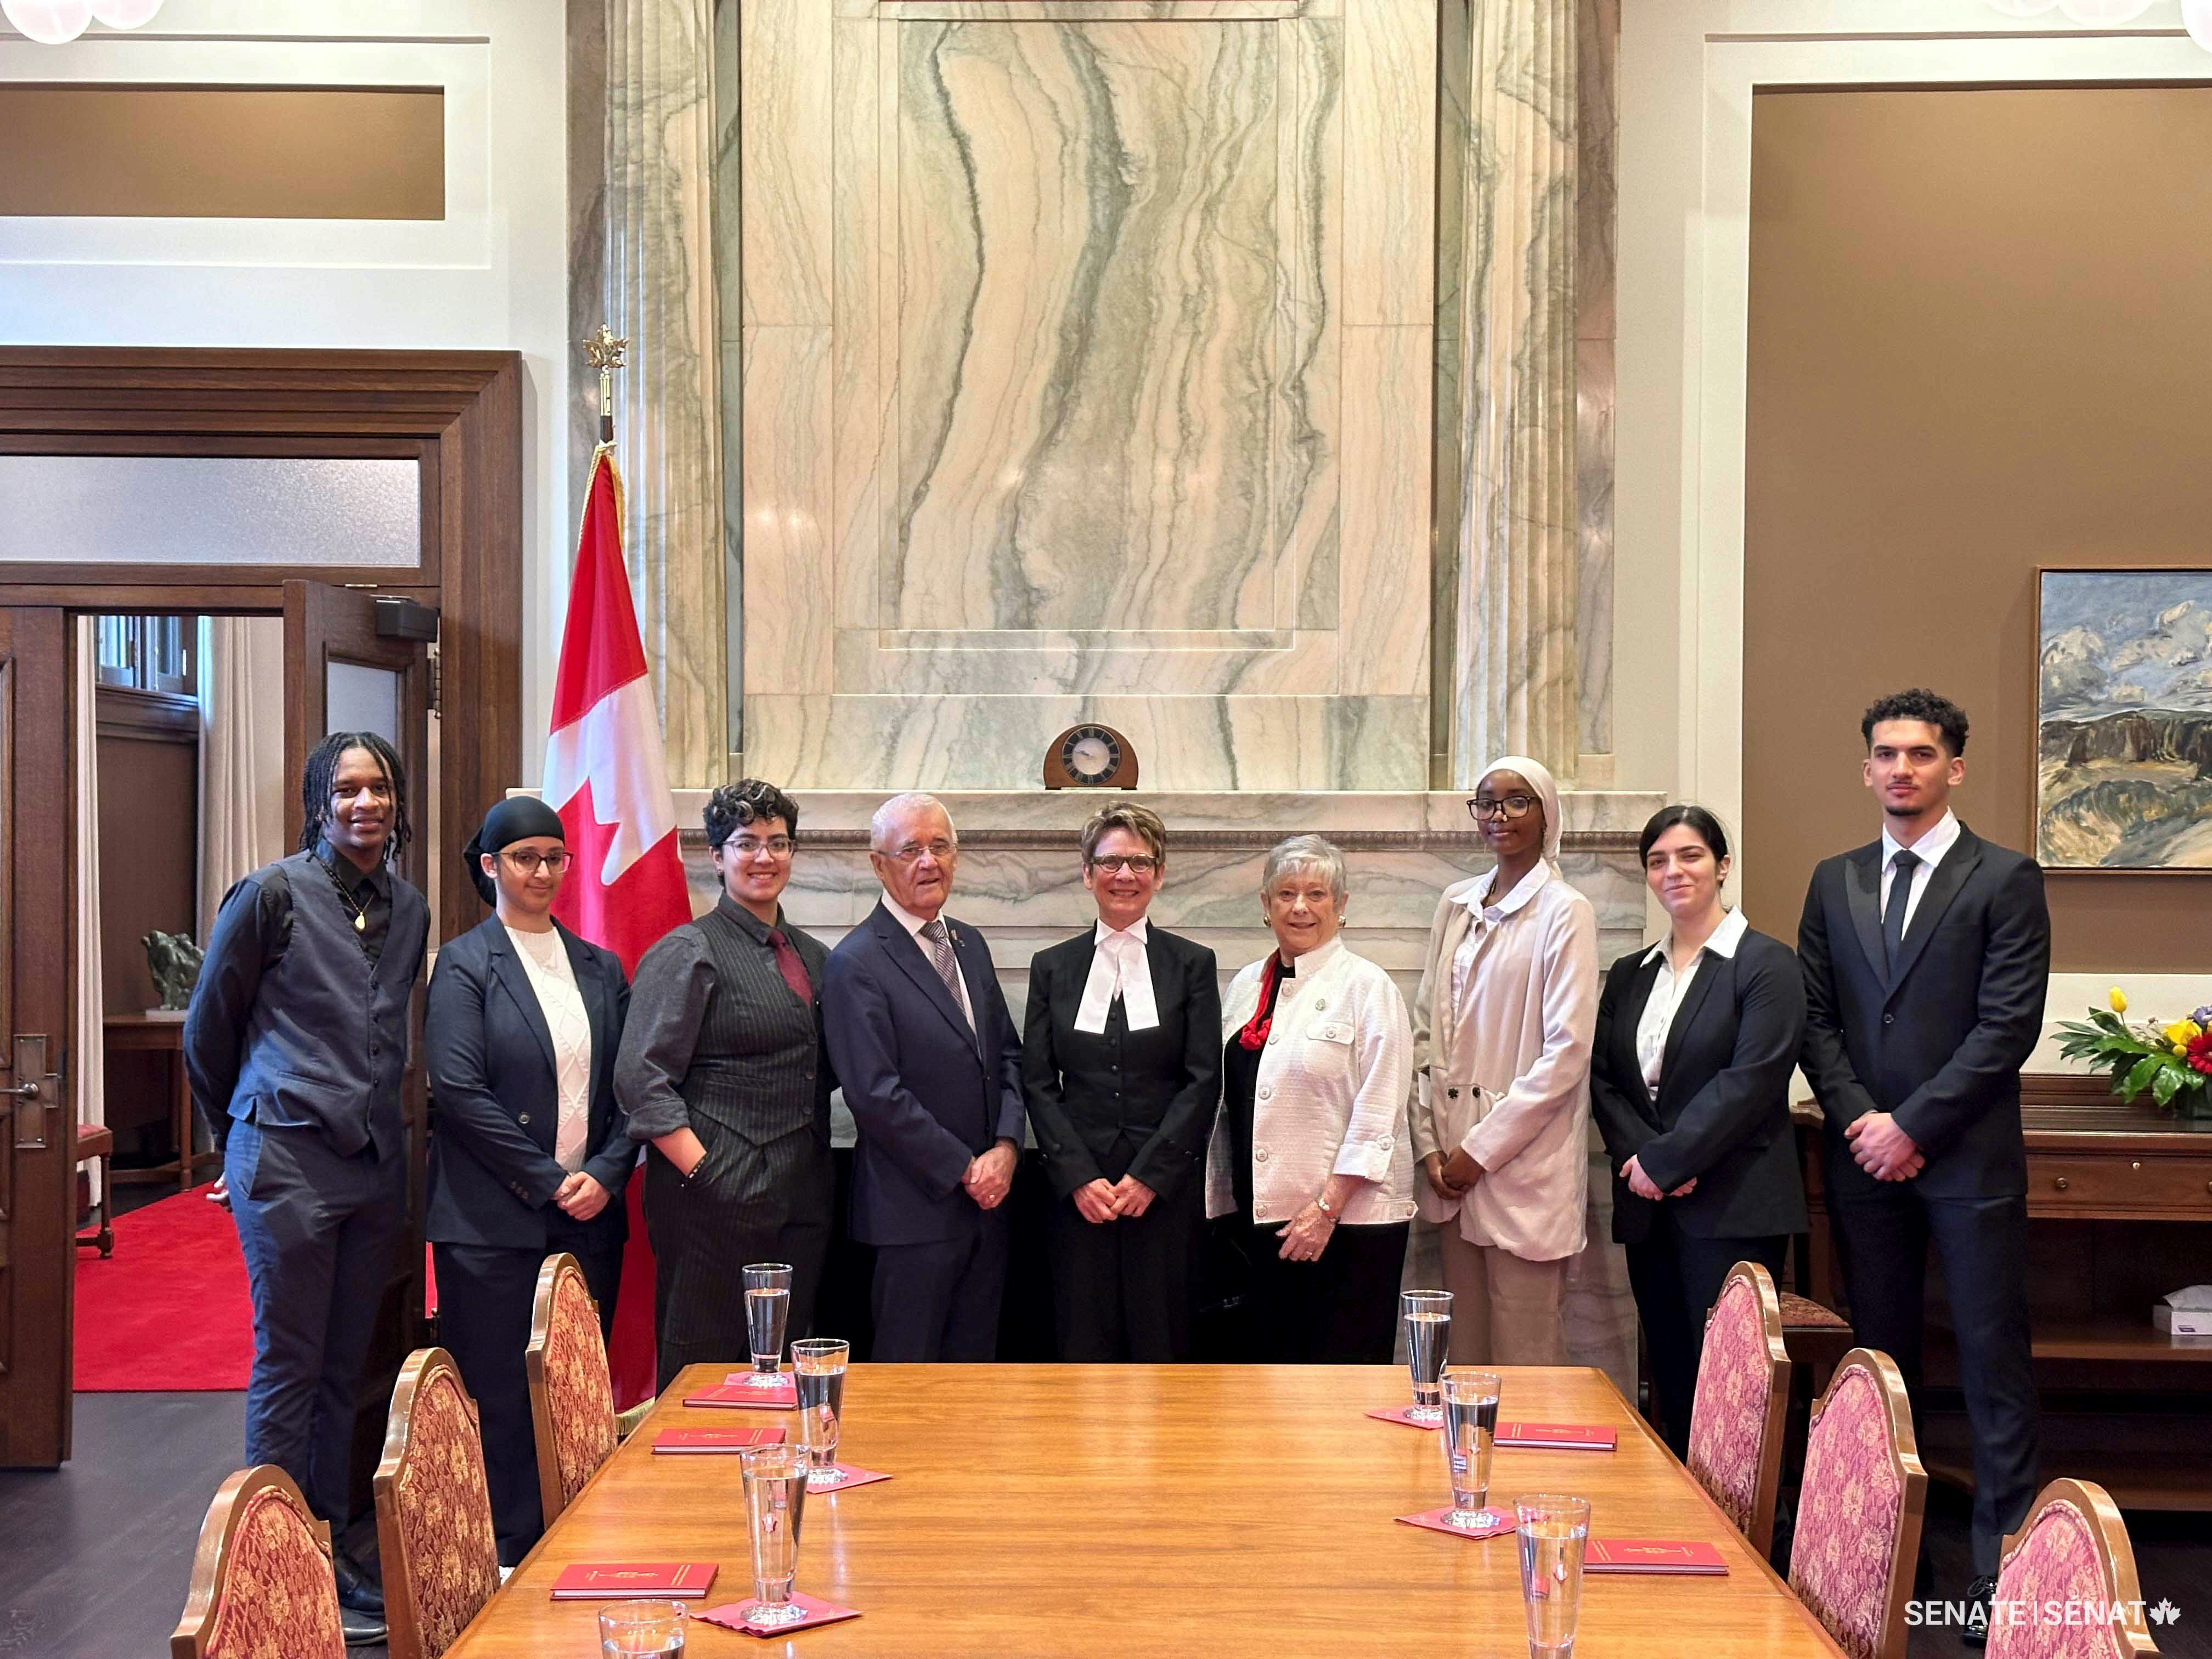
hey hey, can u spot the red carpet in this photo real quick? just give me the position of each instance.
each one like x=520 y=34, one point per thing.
x=169 y=1312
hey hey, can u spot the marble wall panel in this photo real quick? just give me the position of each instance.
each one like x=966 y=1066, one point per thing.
x=1597 y=204
x=1383 y=592
x=919 y=662
x=1390 y=133
x=787 y=508
x=784 y=237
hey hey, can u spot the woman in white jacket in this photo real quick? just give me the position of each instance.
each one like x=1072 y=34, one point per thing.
x=1501 y=1115
x=1310 y=1149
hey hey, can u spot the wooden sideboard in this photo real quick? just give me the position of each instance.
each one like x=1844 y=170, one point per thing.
x=2120 y=1201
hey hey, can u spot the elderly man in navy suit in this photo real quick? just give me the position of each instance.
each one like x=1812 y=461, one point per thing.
x=931 y=1064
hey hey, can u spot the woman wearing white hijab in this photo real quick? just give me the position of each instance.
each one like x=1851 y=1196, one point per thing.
x=1501 y=1112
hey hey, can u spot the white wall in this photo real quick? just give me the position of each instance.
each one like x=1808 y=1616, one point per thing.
x=491 y=275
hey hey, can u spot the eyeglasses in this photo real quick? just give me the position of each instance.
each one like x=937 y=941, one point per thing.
x=529 y=864
x=1142 y=864
x=1501 y=806
x=777 y=847
x=940 y=850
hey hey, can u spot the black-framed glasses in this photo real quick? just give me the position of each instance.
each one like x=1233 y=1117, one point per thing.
x=1483 y=807
x=777 y=847
x=1142 y=864
x=529 y=864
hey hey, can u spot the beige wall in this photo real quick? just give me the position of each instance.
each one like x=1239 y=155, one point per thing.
x=1978 y=344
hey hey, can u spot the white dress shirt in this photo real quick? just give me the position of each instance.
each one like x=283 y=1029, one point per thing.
x=545 y=965
x=1667 y=992
x=914 y=925
x=1929 y=849
x=1119 y=968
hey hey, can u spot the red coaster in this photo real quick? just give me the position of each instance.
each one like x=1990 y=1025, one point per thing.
x=734 y=1616
x=1440 y=1520
x=1398 y=1414
x=849 y=1476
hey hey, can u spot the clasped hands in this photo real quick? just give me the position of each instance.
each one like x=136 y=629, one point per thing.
x=1643 y=1187
x=1454 y=1177
x=990 y=1176
x=1102 y=1201
x=1881 y=1149
x=580 y=1197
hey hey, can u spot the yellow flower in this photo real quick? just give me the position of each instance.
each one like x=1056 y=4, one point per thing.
x=2119 y=999
x=2180 y=1032
x=2181 y=1051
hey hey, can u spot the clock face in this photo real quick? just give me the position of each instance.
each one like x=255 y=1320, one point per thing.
x=1091 y=755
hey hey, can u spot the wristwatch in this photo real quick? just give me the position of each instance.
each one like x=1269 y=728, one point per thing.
x=1321 y=1204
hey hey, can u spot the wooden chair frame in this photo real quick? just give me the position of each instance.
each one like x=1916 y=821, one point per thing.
x=550 y=1497
x=1912 y=1484
x=2115 y=1554
x=211 y=1561
x=403 y=1623
x=1760 y=1533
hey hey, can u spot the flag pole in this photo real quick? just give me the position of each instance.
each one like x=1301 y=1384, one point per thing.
x=604 y=350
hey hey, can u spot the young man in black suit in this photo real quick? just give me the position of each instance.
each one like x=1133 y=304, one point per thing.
x=1927 y=959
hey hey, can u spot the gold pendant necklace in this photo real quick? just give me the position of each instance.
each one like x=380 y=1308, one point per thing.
x=359 y=910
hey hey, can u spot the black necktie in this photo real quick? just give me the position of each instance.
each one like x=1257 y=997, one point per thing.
x=1900 y=899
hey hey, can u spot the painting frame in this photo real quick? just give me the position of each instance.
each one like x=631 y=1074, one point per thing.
x=2064 y=823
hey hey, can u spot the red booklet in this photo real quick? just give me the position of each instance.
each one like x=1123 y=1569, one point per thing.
x=1652 y=1555
x=1558 y=1436
x=776 y=1394
x=587 y=1581
x=712 y=1440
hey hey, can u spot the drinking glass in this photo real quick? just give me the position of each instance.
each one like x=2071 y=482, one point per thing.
x=768 y=1307
x=818 y=1372
x=629 y=1629
x=776 y=1498
x=1470 y=1414
x=1427 y=1318
x=1554 y=1532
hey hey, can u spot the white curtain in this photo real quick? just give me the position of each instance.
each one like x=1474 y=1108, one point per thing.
x=90 y=1047
x=242 y=794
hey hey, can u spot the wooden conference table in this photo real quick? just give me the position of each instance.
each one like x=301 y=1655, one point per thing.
x=1153 y=1510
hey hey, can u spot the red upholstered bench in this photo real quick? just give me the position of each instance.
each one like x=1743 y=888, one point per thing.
x=96 y=1142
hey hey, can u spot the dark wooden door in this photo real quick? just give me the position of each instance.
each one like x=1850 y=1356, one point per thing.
x=340 y=674
x=38 y=1267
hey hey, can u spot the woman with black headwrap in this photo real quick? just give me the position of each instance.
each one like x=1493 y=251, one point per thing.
x=528 y=1149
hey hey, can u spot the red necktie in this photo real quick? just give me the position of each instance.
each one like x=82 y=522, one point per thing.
x=793 y=969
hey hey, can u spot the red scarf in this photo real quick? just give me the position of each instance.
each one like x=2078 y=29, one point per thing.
x=1255 y=1029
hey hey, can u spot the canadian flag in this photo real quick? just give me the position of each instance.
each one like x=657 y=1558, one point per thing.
x=607 y=776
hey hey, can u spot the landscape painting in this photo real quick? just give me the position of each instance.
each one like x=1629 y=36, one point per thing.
x=2124 y=719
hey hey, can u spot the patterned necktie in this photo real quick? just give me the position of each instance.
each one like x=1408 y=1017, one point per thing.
x=941 y=956
x=1900 y=897
x=793 y=969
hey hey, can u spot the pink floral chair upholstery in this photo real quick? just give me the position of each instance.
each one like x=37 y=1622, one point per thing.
x=1742 y=1403
x=433 y=1510
x=2072 y=1551
x=572 y=1395
x=261 y=1585
x=1860 y=1507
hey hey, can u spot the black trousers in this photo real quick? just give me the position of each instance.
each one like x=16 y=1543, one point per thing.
x=1339 y=1310
x=485 y=1294
x=1121 y=1290
x=318 y=1230
x=1677 y=1279
x=744 y=1204
x=940 y=1300
x=1883 y=1236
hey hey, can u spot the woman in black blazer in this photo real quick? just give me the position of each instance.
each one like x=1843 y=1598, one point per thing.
x=1690 y=1086
x=1120 y=1065
x=528 y=1150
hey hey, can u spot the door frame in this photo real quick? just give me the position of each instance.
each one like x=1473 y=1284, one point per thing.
x=459 y=413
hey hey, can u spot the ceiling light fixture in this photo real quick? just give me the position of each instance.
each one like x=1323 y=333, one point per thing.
x=57 y=22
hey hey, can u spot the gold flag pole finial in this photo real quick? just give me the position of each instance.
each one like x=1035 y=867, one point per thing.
x=604 y=350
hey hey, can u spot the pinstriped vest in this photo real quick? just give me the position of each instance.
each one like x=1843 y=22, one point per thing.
x=756 y=1065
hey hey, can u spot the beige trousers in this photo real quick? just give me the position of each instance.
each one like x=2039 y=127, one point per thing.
x=1505 y=1311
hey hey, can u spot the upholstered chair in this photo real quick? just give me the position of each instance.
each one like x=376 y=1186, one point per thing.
x=261 y=1583
x=433 y=1510
x=2072 y=1551
x=572 y=1397
x=1860 y=1507
x=1742 y=1402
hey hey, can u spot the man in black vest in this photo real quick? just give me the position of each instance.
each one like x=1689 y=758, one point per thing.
x=296 y=1040
x=1927 y=961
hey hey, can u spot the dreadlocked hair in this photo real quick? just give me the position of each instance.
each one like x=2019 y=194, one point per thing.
x=319 y=782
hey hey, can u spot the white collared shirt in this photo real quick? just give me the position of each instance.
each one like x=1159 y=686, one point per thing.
x=1668 y=993
x=1119 y=968
x=1929 y=849
x=914 y=925
x=545 y=965
x=1487 y=917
